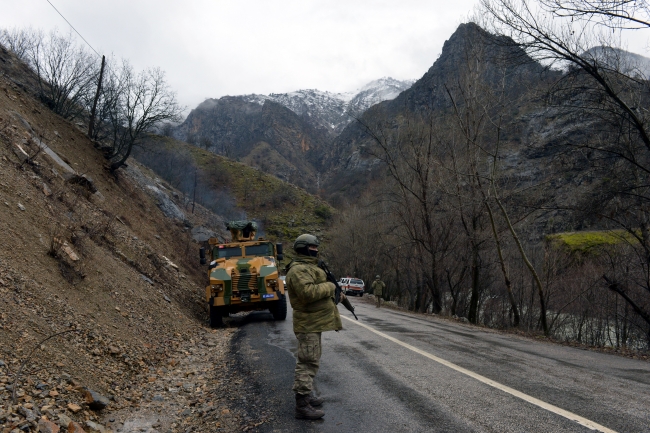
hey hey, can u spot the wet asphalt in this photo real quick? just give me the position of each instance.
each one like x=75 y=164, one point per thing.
x=372 y=384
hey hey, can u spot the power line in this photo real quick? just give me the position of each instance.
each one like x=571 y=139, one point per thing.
x=84 y=39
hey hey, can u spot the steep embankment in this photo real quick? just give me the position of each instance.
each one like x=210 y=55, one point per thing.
x=100 y=288
x=284 y=210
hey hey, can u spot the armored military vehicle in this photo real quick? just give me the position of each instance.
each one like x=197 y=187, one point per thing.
x=244 y=274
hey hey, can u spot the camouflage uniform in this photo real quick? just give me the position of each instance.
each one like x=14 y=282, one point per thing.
x=314 y=311
x=378 y=289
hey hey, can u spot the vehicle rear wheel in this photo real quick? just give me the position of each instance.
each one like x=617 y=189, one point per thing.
x=279 y=310
x=361 y=295
x=216 y=316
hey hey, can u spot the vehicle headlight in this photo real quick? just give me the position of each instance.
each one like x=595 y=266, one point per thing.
x=271 y=283
x=216 y=288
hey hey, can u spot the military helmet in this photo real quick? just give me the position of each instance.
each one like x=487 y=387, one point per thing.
x=377 y=277
x=304 y=241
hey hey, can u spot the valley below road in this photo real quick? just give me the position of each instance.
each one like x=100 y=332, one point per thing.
x=393 y=371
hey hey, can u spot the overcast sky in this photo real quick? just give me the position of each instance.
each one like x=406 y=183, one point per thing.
x=212 y=48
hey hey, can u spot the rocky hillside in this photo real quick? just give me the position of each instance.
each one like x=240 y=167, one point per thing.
x=351 y=166
x=285 y=135
x=101 y=287
x=236 y=189
x=269 y=136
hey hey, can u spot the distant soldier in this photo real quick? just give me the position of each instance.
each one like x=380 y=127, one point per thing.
x=314 y=311
x=378 y=289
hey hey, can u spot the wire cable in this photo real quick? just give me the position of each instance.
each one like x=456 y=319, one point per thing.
x=84 y=39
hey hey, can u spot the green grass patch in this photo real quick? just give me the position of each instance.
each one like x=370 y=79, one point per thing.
x=284 y=210
x=590 y=242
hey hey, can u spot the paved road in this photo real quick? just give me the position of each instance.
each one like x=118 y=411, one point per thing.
x=408 y=373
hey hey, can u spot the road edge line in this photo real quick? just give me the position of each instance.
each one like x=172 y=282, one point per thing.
x=532 y=400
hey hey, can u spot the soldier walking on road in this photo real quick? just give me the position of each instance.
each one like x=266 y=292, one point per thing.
x=378 y=289
x=314 y=311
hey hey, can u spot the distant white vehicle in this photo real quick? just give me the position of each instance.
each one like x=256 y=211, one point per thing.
x=352 y=286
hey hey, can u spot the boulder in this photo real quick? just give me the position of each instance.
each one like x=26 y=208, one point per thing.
x=73 y=427
x=74 y=408
x=47 y=426
x=95 y=400
x=94 y=427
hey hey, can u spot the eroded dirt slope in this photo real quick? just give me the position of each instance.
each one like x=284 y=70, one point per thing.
x=100 y=290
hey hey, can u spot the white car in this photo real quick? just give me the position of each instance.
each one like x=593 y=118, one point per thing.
x=352 y=286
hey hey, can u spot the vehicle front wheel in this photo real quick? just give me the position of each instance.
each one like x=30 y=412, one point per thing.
x=216 y=316
x=279 y=310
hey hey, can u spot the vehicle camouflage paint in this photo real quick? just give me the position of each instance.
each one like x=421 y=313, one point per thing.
x=244 y=275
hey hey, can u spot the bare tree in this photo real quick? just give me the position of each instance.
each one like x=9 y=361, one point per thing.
x=206 y=143
x=137 y=104
x=66 y=73
x=21 y=41
x=602 y=89
x=615 y=14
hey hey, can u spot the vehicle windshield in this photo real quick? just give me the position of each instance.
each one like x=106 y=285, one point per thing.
x=225 y=252
x=355 y=281
x=259 y=250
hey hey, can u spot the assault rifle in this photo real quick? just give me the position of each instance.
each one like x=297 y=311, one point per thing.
x=338 y=291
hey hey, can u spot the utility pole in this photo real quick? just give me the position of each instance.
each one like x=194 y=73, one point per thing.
x=91 y=123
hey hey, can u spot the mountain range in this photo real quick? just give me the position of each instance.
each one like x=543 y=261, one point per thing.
x=282 y=134
x=308 y=138
x=334 y=111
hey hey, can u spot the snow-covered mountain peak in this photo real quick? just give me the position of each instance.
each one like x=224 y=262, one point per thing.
x=387 y=82
x=330 y=110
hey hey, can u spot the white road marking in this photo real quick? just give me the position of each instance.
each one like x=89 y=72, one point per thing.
x=559 y=411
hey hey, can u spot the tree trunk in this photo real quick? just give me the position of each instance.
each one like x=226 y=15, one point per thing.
x=531 y=268
x=472 y=316
x=504 y=271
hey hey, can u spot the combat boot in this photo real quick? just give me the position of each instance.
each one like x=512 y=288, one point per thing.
x=315 y=401
x=306 y=411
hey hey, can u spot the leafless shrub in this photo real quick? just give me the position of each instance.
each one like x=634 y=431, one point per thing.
x=20 y=41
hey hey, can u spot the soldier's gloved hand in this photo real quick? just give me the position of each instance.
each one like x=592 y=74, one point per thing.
x=343 y=295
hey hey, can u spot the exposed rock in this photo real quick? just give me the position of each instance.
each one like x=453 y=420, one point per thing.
x=94 y=427
x=27 y=413
x=47 y=426
x=166 y=205
x=202 y=234
x=70 y=252
x=73 y=427
x=64 y=421
x=95 y=400
x=164 y=202
x=74 y=408
x=170 y=263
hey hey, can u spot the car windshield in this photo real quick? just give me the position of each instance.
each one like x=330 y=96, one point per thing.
x=225 y=252
x=259 y=250
x=355 y=281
